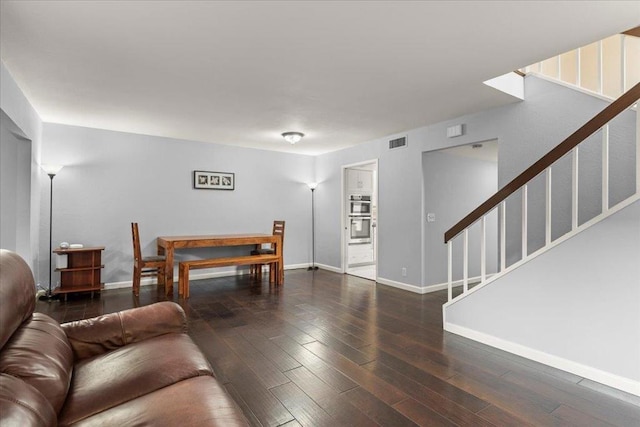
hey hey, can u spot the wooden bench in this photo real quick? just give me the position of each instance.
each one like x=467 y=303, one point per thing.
x=185 y=266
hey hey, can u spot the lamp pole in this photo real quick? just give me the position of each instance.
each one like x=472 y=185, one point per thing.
x=51 y=170
x=313 y=267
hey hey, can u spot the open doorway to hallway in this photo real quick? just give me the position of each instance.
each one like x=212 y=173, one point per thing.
x=456 y=181
x=360 y=219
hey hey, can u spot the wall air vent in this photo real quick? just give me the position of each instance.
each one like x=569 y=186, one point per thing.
x=398 y=143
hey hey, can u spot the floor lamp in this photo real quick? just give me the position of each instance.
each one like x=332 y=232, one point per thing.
x=312 y=186
x=51 y=170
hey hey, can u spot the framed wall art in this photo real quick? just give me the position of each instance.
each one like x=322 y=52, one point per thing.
x=205 y=180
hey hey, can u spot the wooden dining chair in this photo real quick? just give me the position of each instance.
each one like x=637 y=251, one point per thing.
x=144 y=266
x=256 y=269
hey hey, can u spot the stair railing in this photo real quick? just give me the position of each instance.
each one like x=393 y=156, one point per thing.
x=543 y=165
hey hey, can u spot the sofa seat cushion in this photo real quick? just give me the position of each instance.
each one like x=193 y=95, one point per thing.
x=199 y=401
x=108 y=380
x=40 y=354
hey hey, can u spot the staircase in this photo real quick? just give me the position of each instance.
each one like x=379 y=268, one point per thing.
x=573 y=302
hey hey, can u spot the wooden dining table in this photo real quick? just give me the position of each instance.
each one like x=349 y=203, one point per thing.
x=167 y=246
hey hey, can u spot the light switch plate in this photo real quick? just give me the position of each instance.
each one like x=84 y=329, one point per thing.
x=431 y=217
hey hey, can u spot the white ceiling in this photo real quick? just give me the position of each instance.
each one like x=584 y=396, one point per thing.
x=242 y=73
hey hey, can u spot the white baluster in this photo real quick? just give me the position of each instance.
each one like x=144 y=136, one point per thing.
x=623 y=65
x=483 y=249
x=547 y=231
x=599 y=65
x=503 y=235
x=450 y=270
x=465 y=262
x=578 y=65
x=605 y=168
x=525 y=237
x=637 y=147
x=574 y=189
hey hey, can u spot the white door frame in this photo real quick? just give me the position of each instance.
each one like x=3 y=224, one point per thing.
x=343 y=211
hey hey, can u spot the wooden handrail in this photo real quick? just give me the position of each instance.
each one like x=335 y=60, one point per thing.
x=592 y=126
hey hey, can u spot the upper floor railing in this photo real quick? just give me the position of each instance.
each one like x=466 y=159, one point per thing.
x=608 y=67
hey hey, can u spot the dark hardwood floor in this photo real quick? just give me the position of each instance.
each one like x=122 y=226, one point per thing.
x=331 y=349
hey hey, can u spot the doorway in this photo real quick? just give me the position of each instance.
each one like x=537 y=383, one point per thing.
x=456 y=181
x=360 y=219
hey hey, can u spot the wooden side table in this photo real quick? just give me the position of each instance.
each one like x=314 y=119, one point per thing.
x=82 y=273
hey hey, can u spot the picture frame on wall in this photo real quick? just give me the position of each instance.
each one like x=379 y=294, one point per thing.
x=207 y=180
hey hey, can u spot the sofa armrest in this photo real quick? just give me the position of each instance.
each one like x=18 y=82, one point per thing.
x=101 y=334
x=23 y=405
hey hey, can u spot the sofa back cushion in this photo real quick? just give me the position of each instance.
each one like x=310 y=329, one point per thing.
x=17 y=293
x=39 y=353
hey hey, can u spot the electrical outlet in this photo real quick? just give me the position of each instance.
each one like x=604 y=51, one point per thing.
x=431 y=217
x=404 y=271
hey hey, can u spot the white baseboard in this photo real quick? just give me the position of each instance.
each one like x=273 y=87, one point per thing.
x=297 y=266
x=423 y=289
x=197 y=276
x=328 y=268
x=152 y=281
x=454 y=284
x=612 y=380
x=400 y=285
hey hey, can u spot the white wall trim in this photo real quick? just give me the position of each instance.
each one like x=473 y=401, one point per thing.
x=544 y=249
x=126 y=284
x=297 y=266
x=571 y=86
x=456 y=283
x=421 y=289
x=152 y=281
x=328 y=268
x=400 y=285
x=198 y=276
x=607 y=378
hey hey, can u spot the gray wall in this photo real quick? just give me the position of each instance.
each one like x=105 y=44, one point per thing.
x=550 y=126
x=27 y=125
x=453 y=187
x=399 y=207
x=15 y=187
x=113 y=178
x=590 y=316
x=526 y=131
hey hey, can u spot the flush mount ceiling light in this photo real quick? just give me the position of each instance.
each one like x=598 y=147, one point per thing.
x=292 y=137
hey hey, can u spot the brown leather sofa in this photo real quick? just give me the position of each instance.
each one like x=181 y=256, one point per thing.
x=135 y=367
